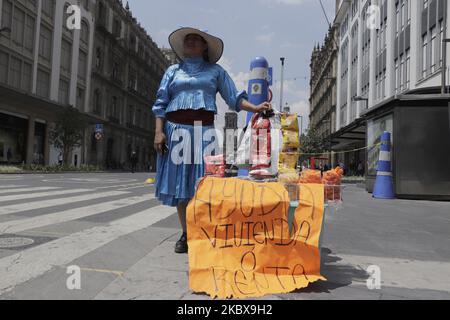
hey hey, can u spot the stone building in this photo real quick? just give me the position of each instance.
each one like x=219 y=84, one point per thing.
x=109 y=69
x=323 y=93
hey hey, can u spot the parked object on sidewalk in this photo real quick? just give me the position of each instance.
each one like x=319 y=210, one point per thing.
x=384 y=185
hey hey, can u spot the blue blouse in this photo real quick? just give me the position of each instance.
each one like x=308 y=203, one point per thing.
x=193 y=84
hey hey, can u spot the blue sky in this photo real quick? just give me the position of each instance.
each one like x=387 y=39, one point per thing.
x=249 y=28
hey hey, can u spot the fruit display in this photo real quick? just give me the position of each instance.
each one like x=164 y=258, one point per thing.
x=332 y=181
x=310 y=176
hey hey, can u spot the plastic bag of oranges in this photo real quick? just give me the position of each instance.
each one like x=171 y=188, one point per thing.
x=310 y=176
x=332 y=181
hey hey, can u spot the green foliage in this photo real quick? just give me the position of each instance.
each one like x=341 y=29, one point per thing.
x=312 y=143
x=58 y=168
x=67 y=133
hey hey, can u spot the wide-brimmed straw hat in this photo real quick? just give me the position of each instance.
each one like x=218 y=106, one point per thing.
x=215 y=45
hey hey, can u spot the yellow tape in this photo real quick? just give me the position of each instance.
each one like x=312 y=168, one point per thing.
x=340 y=152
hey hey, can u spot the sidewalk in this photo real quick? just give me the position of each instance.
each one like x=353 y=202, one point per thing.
x=408 y=240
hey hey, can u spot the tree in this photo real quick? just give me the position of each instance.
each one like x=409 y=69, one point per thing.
x=312 y=144
x=67 y=134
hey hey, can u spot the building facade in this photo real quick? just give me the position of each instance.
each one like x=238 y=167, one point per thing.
x=390 y=79
x=322 y=101
x=46 y=66
x=127 y=69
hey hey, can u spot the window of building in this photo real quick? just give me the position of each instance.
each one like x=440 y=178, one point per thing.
x=48 y=8
x=66 y=56
x=82 y=65
x=433 y=49
x=133 y=42
x=15 y=72
x=63 y=92
x=97 y=102
x=114 y=107
x=4 y=62
x=397 y=76
x=441 y=38
x=84 y=34
x=408 y=69
x=80 y=98
x=18 y=26
x=402 y=72
x=131 y=115
x=45 y=41
x=43 y=83
x=98 y=58
x=86 y=4
x=424 y=56
x=26 y=77
x=29 y=33
x=7 y=15
x=117 y=28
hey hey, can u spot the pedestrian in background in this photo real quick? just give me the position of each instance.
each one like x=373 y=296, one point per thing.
x=60 y=159
x=9 y=155
x=133 y=160
x=187 y=94
x=360 y=169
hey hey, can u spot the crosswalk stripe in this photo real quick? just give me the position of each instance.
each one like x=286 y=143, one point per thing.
x=11 y=186
x=12 y=190
x=40 y=194
x=32 y=205
x=20 y=225
x=31 y=263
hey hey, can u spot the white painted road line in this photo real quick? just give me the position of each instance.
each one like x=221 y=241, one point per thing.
x=20 y=225
x=11 y=186
x=28 y=189
x=27 y=196
x=31 y=263
x=14 y=208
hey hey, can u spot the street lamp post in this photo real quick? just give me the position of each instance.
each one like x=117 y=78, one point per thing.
x=301 y=125
x=281 y=85
x=359 y=98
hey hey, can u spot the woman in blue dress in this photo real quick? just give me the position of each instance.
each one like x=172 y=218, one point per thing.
x=187 y=94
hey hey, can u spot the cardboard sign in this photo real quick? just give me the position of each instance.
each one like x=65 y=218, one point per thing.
x=239 y=242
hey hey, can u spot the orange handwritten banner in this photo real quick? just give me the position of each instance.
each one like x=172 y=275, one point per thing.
x=239 y=241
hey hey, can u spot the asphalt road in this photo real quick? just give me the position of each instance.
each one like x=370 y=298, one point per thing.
x=111 y=227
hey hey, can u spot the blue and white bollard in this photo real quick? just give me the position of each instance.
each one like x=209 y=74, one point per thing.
x=384 y=185
x=258 y=86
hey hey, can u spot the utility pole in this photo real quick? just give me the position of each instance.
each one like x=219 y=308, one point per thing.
x=281 y=86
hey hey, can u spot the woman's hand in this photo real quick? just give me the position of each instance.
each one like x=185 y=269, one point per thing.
x=247 y=106
x=263 y=107
x=160 y=142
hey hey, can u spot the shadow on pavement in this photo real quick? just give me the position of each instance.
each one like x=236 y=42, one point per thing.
x=337 y=275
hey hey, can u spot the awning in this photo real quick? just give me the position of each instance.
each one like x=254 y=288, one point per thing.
x=352 y=135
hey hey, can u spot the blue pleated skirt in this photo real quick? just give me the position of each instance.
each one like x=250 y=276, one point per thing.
x=175 y=181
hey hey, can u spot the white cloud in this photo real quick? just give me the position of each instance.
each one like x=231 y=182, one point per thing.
x=241 y=82
x=265 y=38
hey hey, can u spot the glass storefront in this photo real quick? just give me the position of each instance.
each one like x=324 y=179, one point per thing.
x=375 y=128
x=13 y=137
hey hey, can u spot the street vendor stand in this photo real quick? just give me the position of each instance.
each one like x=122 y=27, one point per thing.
x=261 y=234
